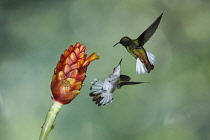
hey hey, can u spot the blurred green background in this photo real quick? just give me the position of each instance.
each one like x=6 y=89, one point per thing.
x=174 y=106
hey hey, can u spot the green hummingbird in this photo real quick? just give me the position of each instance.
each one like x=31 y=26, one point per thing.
x=144 y=60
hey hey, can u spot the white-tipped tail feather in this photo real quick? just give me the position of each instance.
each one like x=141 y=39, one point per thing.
x=97 y=82
x=96 y=85
x=140 y=68
x=151 y=58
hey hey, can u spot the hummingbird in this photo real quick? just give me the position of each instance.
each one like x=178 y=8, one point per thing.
x=144 y=60
x=103 y=93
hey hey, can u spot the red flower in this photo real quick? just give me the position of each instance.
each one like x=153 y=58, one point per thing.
x=70 y=73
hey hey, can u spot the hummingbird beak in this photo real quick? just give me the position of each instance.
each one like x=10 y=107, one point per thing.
x=120 y=62
x=117 y=69
x=116 y=44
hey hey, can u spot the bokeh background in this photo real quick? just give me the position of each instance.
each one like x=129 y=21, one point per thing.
x=174 y=106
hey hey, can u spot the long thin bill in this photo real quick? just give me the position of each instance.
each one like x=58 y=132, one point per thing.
x=120 y=62
x=116 y=44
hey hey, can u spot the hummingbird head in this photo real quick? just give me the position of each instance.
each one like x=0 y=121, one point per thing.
x=116 y=70
x=125 y=41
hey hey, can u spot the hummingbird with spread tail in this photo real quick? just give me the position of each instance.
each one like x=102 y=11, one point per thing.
x=144 y=60
x=103 y=93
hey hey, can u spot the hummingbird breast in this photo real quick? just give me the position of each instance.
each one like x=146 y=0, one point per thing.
x=110 y=83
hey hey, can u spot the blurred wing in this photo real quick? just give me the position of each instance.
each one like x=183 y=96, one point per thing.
x=124 y=78
x=146 y=35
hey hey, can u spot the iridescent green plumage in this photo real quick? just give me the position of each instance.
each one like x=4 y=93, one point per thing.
x=135 y=46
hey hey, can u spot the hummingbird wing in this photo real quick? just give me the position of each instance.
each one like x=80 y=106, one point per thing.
x=124 y=78
x=146 y=35
x=128 y=83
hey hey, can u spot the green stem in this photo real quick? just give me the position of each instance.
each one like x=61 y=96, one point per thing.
x=50 y=119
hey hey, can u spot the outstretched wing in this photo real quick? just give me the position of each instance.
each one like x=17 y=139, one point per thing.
x=128 y=83
x=124 y=78
x=146 y=35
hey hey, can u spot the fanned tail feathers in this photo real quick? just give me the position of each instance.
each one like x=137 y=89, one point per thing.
x=100 y=96
x=141 y=68
x=151 y=58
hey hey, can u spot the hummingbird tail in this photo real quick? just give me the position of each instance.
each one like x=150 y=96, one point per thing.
x=97 y=82
x=151 y=58
x=107 y=98
x=100 y=96
x=140 y=67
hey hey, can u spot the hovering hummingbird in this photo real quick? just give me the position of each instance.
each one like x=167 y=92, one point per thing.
x=145 y=60
x=103 y=93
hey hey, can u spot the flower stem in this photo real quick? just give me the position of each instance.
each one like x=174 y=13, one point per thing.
x=50 y=119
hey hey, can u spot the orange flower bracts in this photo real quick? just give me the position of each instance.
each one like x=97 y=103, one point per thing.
x=70 y=73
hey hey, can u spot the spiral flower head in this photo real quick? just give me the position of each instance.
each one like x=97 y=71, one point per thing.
x=70 y=73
